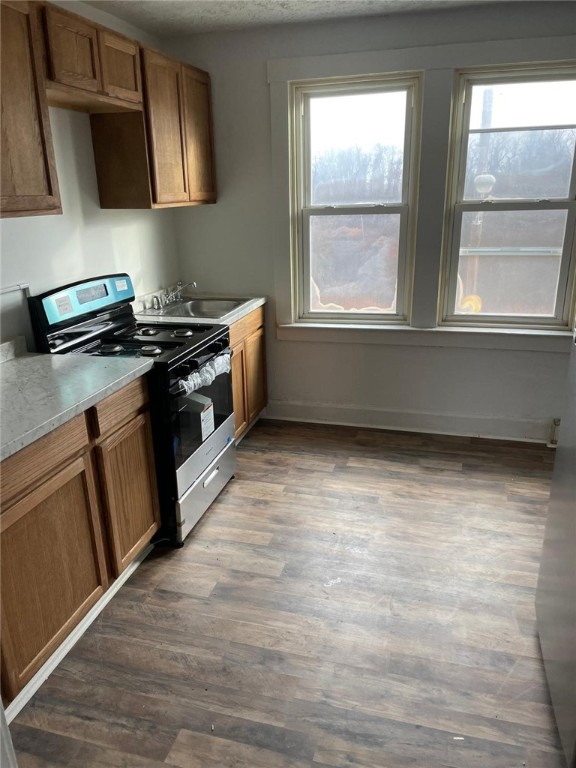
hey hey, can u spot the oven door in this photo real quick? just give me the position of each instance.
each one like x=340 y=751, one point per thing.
x=202 y=415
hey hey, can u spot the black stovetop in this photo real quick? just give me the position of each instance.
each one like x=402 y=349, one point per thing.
x=163 y=342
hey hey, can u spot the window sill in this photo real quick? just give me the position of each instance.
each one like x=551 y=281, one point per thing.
x=467 y=338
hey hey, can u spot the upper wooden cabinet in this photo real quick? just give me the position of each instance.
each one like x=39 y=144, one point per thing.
x=28 y=169
x=179 y=118
x=168 y=159
x=165 y=114
x=90 y=68
x=157 y=158
x=198 y=134
x=120 y=62
x=73 y=57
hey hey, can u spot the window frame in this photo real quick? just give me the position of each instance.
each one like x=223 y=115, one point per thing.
x=456 y=206
x=300 y=94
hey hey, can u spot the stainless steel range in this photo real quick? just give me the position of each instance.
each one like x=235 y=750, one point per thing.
x=190 y=386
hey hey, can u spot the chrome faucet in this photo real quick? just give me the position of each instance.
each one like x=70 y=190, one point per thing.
x=180 y=287
x=176 y=293
x=170 y=295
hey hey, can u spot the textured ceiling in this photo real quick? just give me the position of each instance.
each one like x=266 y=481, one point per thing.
x=170 y=17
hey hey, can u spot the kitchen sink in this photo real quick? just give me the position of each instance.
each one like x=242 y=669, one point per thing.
x=202 y=309
x=212 y=307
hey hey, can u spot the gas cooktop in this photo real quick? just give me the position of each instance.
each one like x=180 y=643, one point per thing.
x=163 y=332
x=163 y=342
x=123 y=348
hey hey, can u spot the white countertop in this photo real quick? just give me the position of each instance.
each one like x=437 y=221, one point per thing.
x=41 y=392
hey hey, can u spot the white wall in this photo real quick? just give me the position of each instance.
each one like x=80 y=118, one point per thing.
x=512 y=392
x=49 y=251
x=229 y=247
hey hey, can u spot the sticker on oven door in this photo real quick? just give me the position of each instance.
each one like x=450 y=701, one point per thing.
x=207 y=421
x=202 y=405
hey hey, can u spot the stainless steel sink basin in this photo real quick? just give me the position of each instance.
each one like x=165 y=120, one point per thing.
x=212 y=307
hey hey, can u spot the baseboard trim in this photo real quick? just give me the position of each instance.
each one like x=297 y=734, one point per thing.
x=524 y=430
x=31 y=687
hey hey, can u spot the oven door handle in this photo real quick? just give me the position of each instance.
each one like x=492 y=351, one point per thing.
x=178 y=388
x=198 y=362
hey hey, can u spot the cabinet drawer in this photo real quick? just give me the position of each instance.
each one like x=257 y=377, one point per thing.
x=119 y=408
x=22 y=471
x=246 y=327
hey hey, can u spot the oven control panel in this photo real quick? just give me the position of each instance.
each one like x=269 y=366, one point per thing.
x=81 y=298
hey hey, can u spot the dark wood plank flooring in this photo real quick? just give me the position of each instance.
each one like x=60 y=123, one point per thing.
x=353 y=598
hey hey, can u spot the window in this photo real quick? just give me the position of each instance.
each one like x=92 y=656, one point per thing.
x=353 y=149
x=510 y=244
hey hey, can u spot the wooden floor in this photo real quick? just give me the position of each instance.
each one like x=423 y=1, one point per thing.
x=353 y=598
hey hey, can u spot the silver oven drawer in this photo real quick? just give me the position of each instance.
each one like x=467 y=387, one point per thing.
x=187 y=474
x=191 y=507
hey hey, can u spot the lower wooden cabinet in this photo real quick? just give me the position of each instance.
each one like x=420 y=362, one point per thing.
x=77 y=506
x=255 y=381
x=239 y=389
x=130 y=496
x=248 y=370
x=53 y=569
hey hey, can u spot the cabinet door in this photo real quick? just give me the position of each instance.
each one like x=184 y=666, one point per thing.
x=198 y=133
x=72 y=50
x=162 y=83
x=129 y=485
x=120 y=59
x=27 y=165
x=52 y=567
x=239 y=390
x=255 y=374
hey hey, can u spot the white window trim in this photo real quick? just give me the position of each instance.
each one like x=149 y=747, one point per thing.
x=302 y=210
x=439 y=63
x=456 y=206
